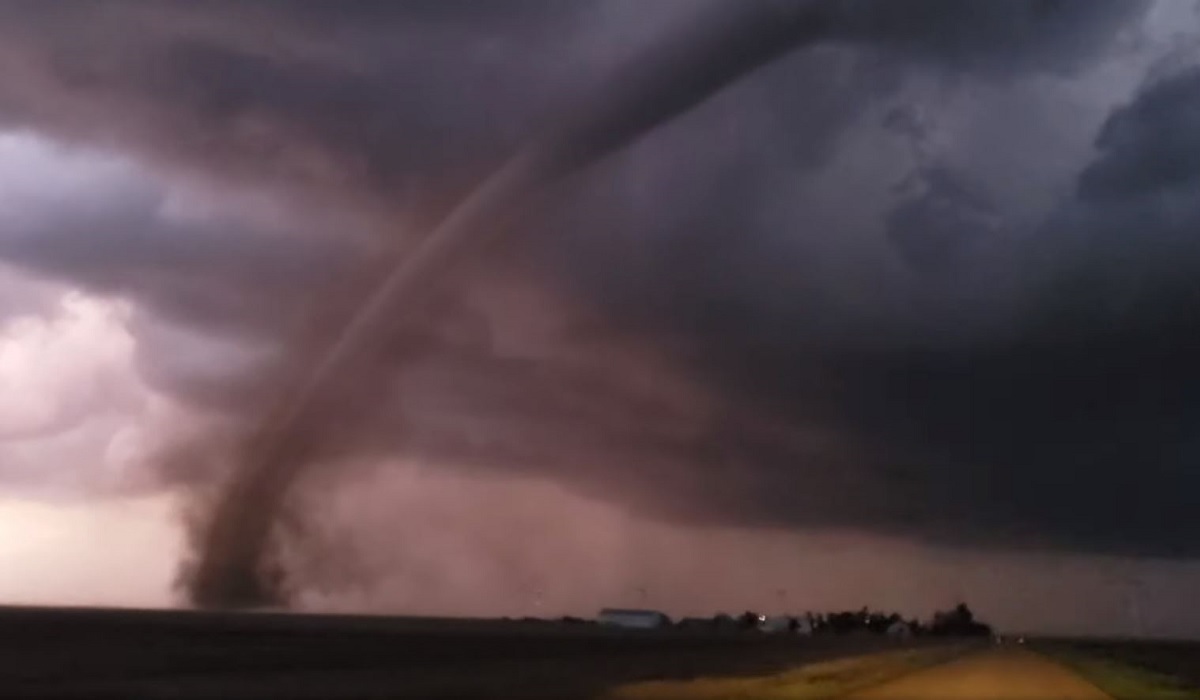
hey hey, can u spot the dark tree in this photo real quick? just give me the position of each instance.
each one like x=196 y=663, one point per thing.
x=959 y=622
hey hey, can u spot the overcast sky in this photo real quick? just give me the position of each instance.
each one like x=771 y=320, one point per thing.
x=905 y=316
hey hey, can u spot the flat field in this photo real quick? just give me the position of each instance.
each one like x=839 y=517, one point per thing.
x=130 y=654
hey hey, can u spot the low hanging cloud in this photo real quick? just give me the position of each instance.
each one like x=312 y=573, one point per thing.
x=805 y=303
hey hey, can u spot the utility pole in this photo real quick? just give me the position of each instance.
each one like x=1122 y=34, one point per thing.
x=1131 y=591
x=1133 y=601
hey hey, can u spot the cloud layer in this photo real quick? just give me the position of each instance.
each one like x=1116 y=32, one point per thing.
x=847 y=292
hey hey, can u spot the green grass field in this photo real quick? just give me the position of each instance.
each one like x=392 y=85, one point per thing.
x=1124 y=681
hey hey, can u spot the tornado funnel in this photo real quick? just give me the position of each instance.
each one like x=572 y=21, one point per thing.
x=723 y=42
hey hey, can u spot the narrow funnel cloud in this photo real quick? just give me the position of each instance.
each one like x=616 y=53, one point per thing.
x=726 y=42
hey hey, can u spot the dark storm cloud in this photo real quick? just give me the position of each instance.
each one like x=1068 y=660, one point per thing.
x=332 y=101
x=1130 y=245
x=1150 y=146
x=936 y=228
x=1087 y=413
x=992 y=38
x=225 y=276
x=705 y=365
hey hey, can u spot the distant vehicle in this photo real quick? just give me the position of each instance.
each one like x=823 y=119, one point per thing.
x=1001 y=640
x=633 y=619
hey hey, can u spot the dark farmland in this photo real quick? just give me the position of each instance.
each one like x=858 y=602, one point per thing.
x=85 y=653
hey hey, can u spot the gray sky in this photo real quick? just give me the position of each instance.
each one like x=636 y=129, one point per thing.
x=929 y=281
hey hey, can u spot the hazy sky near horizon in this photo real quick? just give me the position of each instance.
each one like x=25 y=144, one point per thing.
x=903 y=318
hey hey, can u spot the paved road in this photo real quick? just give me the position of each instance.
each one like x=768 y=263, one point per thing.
x=1006 y=674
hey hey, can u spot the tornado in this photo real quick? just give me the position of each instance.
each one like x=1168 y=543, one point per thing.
x=723 y=42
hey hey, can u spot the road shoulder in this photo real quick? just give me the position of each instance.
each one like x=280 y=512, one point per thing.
x=1010 y=673
x=827 y=679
